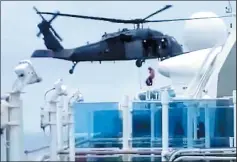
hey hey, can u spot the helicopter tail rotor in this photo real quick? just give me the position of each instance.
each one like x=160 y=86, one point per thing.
x=45 y=25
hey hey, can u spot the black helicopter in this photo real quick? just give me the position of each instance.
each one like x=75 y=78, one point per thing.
x=136 y=44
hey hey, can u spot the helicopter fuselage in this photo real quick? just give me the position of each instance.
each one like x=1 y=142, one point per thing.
x=136 y=44
x=123 y=45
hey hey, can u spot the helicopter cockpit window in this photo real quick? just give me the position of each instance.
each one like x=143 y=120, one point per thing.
x=173 y=39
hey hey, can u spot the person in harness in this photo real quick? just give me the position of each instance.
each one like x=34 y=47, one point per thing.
x=149 y=80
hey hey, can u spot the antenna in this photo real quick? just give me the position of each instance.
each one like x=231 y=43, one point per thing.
x=228 y=10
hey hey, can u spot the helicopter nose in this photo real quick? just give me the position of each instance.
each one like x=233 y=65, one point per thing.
x=163 y=69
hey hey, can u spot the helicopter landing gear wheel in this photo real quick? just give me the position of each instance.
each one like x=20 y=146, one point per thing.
x=139 y=62
x=73 y=67
x=71 y=71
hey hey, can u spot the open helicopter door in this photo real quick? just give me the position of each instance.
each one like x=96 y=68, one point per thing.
x=134 y=49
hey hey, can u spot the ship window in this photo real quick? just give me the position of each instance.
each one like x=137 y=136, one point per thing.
x=141 y=124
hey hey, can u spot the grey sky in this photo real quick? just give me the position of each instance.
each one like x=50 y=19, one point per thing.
x=105 y=82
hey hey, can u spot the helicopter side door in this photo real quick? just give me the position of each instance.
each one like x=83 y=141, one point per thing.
x=134 y=49
x=116 y=50
x=150 y=47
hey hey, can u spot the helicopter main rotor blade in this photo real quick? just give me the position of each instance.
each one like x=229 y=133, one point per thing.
x=160 y=10
x=89 y=17
x=132 y=21
x=185 y=19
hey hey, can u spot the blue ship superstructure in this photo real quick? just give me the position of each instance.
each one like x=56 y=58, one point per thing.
x=101 y=123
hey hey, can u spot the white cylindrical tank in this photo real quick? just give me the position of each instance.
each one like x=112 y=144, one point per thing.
x=182 y=69
x=204 y=33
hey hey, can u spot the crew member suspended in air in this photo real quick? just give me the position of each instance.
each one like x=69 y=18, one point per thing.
x=149 y=80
